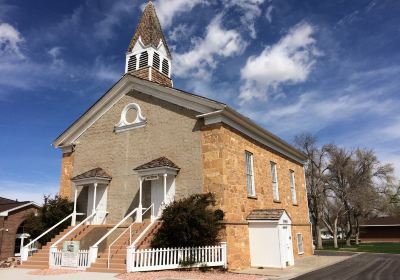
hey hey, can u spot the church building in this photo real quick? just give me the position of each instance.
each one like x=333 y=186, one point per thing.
x=145 y=144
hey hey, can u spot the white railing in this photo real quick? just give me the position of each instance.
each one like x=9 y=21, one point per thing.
x=173 y=258
x=25 y=249
x=130 y=234
x=56 y=259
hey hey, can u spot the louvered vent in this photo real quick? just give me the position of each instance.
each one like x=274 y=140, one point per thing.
x=144 y=60
x=132 y=63
x=165 y=67
x=156 y=61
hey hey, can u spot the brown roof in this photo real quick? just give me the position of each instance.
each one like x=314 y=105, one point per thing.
x=94 y=173
x=382 y=221
x=7 y=204
x=149 y=29
x=266 y=214
x=159 y=162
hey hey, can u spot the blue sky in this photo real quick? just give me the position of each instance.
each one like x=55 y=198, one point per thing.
x=331 y=68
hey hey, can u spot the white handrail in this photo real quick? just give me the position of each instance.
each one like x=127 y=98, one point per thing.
x=116 y=226
x=133 y=245
x=130 y=236
x=72 y=230
x=47 y=231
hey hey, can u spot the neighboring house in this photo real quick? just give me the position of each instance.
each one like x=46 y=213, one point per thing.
x=380 y=229
x=13 y=214
x=146 y=143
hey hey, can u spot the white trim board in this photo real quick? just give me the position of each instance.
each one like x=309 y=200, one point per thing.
x=5 y=213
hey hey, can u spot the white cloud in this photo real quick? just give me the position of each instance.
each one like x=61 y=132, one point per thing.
x=289 y=61
x=180 y=32
x=392 y=130
x=268 y=14
x=250 y=10
x=55 y=54
x=167 y=10
x=10 y=41
x=218 y=42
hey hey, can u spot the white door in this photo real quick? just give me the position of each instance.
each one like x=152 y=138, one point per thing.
x=100 y=206
x=286 y=245
x=157 y=195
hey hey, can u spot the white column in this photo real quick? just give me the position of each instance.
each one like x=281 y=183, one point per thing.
x=22 y=244
x=165 y=188
x=94 y=200
x=139 y=217
x=73 y=222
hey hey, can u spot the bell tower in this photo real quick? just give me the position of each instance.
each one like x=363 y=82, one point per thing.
x=148 y=56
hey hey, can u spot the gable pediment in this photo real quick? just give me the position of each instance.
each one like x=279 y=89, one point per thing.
x=124 y=86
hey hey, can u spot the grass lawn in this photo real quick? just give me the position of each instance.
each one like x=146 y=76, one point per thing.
x=390 y=248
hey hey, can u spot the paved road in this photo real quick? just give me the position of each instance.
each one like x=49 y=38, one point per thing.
x=362 y=267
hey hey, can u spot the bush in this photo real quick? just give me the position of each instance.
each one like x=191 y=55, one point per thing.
x=53 y=210
x=189 y=222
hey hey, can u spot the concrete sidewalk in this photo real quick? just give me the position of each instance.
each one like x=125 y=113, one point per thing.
x=302 y=266
x=23 y=274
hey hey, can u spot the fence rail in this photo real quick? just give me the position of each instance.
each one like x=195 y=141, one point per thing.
x=81 y=260
x=173 y=258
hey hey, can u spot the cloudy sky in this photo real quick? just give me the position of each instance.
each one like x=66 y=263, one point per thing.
x=331 y=68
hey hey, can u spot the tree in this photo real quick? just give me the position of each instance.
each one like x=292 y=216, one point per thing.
x=315 y=170
x=189 y=222
x=53 y=211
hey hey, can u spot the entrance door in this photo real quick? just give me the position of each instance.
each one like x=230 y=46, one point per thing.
x=101 y=204
x=157 y=193
x=287 y=245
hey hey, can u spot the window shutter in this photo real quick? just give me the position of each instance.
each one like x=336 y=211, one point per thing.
x=132 y=63
x=144 y=60
x=156 y=61
x=165 y=67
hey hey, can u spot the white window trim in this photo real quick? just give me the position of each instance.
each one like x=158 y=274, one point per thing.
x=253 y=187
x=275 y=185
x=293 y=190
x=124 y=125
x=302 y=243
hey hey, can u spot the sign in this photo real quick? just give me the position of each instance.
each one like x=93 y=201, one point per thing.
x=70 y=259
x=70 y=254
x=151 y=178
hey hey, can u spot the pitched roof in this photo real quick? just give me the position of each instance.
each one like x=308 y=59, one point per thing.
x=205 y=106
x=7 y=204
x=159 y=162
x=382 y=221
x=94 y=173
x=149 y=30
x=266 y=214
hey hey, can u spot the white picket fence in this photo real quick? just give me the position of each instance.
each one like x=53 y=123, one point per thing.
x=173 y=258
x=82 y=261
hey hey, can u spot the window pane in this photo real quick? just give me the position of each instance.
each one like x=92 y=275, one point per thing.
x=249 y=173
x=293 y=186
x=275 y=188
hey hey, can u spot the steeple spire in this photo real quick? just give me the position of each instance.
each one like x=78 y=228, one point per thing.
x=148 y=55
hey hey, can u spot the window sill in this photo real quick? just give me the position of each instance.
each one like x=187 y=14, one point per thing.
x=252 y=197
x=295 y=204
x=301 y=253
x=277 y=201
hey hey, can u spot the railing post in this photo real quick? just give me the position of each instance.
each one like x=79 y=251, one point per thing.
x=92 y=255
x=224 y=254
x=139 y=215
x=129 y=258
x=73 y=220
x=52 y=252
x=24 y=254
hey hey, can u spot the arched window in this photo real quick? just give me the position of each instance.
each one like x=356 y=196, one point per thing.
x=144 y=60
x=156 y=61
x=132 y=63
x=165 y=67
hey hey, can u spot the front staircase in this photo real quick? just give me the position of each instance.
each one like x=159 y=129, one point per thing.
x=40 y=259
x=119 y=249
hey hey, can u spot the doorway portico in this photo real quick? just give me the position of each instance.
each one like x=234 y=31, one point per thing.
x=96 y=181
x=161 y=174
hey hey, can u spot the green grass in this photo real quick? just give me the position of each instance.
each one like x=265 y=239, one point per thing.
x=389 y=248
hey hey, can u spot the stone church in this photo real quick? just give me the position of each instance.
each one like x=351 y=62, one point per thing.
x=146 y=143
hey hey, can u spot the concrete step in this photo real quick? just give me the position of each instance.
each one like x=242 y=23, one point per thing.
x=104 y=265
x=105 y=270
x=28 y=266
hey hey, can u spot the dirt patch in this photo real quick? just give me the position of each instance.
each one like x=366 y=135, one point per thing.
x=192 y=275
x=52 y=271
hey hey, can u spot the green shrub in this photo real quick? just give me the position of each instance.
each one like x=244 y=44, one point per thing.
x=53 y=211
x=189 y=222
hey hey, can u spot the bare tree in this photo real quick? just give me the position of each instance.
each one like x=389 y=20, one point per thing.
x=315 y=168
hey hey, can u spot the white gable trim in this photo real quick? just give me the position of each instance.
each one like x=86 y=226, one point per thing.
x=7 y=212
x=119 y=90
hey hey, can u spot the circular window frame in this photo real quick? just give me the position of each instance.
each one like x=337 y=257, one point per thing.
x=124 y=124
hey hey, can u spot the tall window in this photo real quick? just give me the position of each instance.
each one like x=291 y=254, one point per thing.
x=144 y=60
x=300 y=248
x=250 y=174
x=293 y=186
x=275 y=188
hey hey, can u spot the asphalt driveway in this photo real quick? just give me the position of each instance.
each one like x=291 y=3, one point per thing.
x=365 y=266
